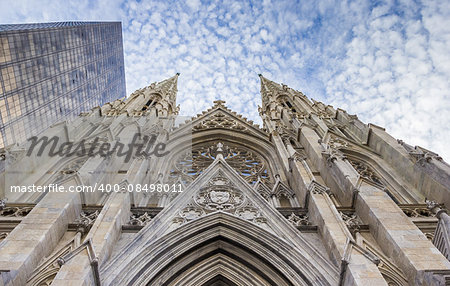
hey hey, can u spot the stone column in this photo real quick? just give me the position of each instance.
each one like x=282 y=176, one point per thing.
x=356 y=267
x=442 y=233
x=36 y=236
x=399 y=237
x=103 y=234
x=300 y=169
x=330 y=165
x=281 y=149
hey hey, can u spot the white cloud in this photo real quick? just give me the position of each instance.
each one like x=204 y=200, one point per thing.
x=388 y=63
x=194 y=4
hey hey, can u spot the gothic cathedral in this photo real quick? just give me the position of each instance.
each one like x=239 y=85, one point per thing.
x=314 y=197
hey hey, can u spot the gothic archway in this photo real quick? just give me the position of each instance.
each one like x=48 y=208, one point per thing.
x=220 y=244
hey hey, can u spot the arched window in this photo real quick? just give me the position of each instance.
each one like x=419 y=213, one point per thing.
x=147 y=105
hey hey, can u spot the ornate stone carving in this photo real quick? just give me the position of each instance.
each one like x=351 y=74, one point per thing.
x=249 y=212
x=435 y=208
x=219 y=120
x=352 y=221
x=298 y=220
x=247 y=163
x=219 y=194
x=316 y=188
x=15 y=211
x=263 y=190
x=338 y=143
x=190 y=212
x=280 y=189
x=219 y=199
x=366 y=172
x=417 y=211
x=431 y=204
x=332 y=150
x=140 y=219
x=86 y=220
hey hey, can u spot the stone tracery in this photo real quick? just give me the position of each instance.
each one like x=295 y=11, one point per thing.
x=366 y=172
x=247 y=163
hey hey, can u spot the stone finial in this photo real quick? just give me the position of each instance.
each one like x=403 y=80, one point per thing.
x=219 y=150
x=219 y=103
x=435 y=207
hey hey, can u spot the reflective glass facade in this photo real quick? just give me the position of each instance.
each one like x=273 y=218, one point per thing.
x=53 y=71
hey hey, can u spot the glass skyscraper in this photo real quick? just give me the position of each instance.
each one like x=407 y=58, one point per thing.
x=53 y=71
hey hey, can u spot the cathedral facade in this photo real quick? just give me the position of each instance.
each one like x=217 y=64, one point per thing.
x=126 y=194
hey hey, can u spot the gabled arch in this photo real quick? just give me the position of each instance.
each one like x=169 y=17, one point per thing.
x=268 y=259
x=238 y=215
x=384 y=174
x=263 y=190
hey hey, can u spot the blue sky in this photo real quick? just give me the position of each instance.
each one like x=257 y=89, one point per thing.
x=387 y=61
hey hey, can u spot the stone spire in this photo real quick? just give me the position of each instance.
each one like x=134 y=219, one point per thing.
x=168 y=89
x=277 y=98
x=274 y=96
x=159 y=98
x=269 y=91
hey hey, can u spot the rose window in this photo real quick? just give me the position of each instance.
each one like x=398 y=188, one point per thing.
x=247 y=163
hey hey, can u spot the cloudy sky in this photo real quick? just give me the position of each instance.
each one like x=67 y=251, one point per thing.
x=387 y=61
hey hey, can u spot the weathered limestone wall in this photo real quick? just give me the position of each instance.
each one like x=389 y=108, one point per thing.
x=36 y=236
x=104 y=234
x=335 y=235
x=431 y=177
x=398 y=236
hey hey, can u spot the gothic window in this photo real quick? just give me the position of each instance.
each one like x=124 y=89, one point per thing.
x=247 y=163
x=147 y=105
x=290 y=106
x=293 y=142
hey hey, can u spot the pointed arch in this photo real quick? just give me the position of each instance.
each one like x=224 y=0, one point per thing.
x=376 y=170
x=226 y=240
x=263 y=190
